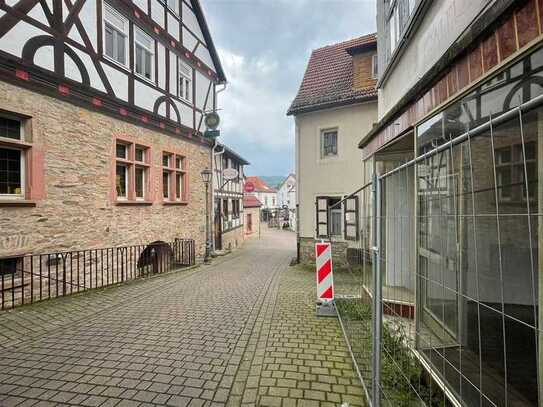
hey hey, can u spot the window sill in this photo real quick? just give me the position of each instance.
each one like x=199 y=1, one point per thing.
x=17 y=202
x=175 y=202
x=133 y=203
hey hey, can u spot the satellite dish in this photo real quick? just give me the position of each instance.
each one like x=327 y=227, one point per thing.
x=230 y=173
x=212 y=120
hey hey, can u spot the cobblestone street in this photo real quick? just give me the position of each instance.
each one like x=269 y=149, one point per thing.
x=239 y=332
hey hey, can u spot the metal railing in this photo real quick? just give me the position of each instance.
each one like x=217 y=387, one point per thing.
x=31 y=278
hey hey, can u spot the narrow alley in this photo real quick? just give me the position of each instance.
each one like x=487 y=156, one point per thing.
x=241 y=331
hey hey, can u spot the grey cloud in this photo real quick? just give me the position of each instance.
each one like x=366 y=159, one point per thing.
x=264 y=46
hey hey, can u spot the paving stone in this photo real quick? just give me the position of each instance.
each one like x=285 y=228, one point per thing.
x=180 y=339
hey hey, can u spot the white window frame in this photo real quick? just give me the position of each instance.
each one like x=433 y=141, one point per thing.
x=321 y=143
x=174 y=9
x=124 y=31
x=151 y=50
x=374 y=66
x=183 y=79
x=22 y=151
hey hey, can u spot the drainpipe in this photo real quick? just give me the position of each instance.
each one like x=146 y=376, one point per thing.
x=213 y=154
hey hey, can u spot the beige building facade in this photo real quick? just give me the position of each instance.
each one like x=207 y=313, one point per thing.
x=328 y=126
x=252 y=225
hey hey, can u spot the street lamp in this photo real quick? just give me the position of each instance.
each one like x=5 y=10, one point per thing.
x=206 y=178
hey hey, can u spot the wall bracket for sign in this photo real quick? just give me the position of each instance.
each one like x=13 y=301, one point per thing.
x=229 y=174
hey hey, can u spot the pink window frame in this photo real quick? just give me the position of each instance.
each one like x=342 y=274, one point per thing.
x=173 y=171
x=131 y=163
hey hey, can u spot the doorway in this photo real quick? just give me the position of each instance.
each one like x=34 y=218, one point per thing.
x=249 y=223
x=218 y=225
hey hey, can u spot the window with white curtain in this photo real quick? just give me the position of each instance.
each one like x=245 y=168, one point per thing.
x=184 y=89
x=115 y=35
x=144 y=47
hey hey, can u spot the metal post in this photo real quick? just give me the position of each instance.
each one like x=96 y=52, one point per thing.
x=206 y=256
x=377 y=293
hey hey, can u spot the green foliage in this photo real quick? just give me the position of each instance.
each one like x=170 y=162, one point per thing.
x=402 y=375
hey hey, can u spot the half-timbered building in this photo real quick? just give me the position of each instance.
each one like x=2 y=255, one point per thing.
x=228 y=199
x=101 y=122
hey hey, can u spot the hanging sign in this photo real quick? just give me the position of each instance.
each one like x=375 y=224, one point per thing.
x=230 y=174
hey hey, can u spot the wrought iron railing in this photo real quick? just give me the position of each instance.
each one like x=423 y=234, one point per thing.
x=30 y=278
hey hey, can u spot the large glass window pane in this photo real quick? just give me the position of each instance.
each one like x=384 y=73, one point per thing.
x=140 y=183
x=10 y=171
x=179 y=186
x=121 y=151
x=121 y=48
x=10 y=128
x=166 y=185
x=122 y=181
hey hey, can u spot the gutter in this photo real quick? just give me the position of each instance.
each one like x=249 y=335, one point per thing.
x=329 y=105
x=213 y=154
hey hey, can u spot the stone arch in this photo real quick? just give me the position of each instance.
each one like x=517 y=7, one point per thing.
x=155 y=258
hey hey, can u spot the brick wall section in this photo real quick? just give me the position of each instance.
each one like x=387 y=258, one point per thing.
x=519 y=30
x=76 y=211
x=363 y=70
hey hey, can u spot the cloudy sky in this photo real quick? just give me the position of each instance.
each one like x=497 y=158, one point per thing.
x=264 y=47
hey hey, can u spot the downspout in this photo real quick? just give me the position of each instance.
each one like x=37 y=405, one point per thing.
x=213 y=154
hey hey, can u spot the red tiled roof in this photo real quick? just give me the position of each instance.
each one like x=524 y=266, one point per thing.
x=328 y=78
x=251 y=201
x=260 y=185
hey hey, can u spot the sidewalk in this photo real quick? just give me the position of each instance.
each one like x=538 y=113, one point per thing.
x=294 y=358
x=241 y=331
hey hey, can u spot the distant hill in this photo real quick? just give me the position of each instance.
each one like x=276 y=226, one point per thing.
x=273 y=180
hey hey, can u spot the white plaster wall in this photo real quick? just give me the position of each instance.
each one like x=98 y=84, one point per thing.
x=443 y=23
x=336 y=176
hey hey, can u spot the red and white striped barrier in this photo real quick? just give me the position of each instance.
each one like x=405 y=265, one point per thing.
x=325 y=278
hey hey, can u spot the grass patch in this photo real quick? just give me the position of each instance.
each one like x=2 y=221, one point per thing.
x=404 y=381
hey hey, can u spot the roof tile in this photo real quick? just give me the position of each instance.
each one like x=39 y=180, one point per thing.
x=329 y=77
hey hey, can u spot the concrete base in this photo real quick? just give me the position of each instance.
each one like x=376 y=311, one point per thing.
x=326 y=309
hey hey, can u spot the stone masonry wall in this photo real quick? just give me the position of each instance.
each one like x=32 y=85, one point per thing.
x=233 y=239
x=307 y=252
x=76 y=211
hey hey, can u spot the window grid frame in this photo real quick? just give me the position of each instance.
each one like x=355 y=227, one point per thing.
x=173 y=172
x=131 y=165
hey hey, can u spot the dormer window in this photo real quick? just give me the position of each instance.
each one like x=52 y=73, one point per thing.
x=115 y=35
x=143 y=50
x=184 y=89
x=374 y=66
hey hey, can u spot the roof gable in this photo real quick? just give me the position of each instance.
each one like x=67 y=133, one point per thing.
x=260 y=185
x=199 y=13
x=251 y=201
x=328 y=79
